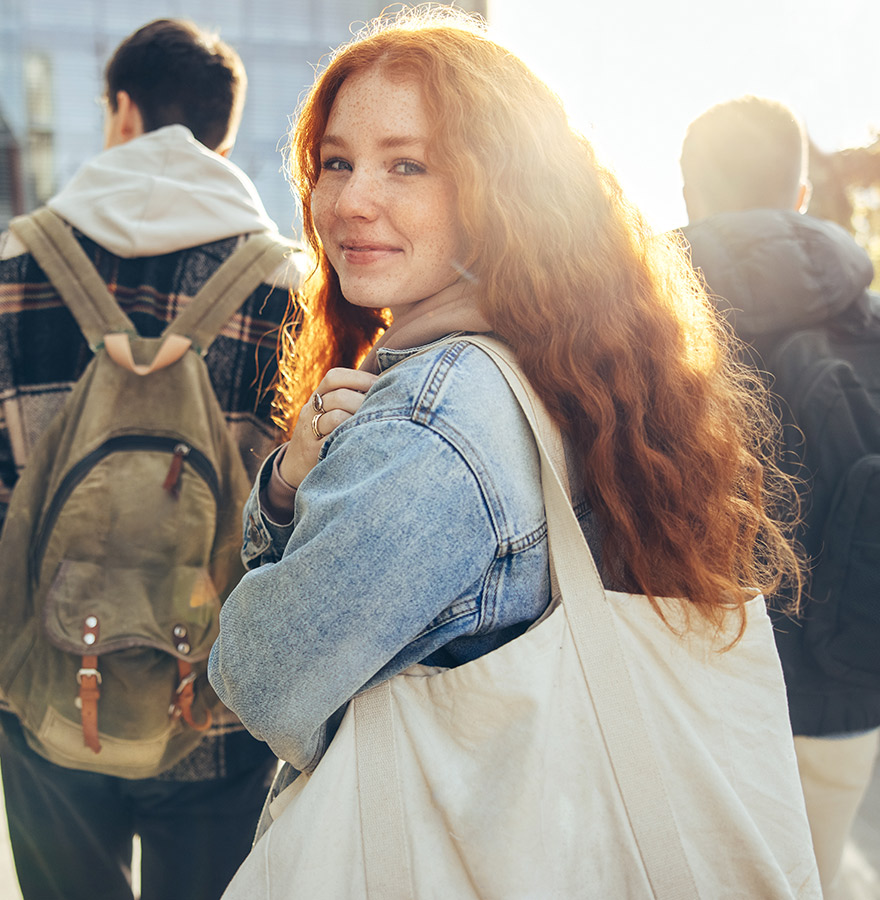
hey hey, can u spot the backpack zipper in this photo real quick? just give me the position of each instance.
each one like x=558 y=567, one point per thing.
x=175 y=470
x=126 y=443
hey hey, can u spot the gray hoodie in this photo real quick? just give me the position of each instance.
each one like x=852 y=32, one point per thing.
x=777 y=270
x=122 y=197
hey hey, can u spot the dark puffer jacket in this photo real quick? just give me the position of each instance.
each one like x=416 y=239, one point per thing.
x=774 y=272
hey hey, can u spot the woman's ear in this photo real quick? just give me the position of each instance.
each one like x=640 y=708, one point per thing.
x=803 y=199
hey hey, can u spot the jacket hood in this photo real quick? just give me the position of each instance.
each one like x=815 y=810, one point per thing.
x=159 y=193
x=777 y=270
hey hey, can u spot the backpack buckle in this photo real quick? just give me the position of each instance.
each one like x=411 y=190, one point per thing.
x=182 y=699
x=186 y=680
x=88 y=673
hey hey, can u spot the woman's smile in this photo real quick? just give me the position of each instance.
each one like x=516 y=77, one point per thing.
x=364 y=253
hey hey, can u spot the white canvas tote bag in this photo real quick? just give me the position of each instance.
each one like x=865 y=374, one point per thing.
x=602 y=754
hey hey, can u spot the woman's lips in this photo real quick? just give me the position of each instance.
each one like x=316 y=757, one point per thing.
x=361 y=254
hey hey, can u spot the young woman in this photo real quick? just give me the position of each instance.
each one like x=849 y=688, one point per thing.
x=444 y=192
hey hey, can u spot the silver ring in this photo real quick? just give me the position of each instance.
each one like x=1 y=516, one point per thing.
x=318 y=402
x=315 y=428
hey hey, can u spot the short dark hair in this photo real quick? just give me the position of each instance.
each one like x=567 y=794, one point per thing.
x=177 y=74
x=746 y=153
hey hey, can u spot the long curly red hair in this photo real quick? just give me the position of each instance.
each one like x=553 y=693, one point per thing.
x=608 y=320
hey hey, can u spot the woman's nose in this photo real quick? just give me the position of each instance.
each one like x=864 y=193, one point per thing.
x=359 y=197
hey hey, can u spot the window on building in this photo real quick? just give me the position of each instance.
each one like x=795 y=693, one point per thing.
x=40 y=125
x=11 y=189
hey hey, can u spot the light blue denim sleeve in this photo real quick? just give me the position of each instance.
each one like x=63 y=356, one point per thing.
x=391 y=531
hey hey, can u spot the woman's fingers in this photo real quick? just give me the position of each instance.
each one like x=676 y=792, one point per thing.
x=350 y=379
x=329 y=420
x=337 y=406
x=348 y=401
x=338 y=397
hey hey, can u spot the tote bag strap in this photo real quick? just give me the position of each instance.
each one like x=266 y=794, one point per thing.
x=624 y=729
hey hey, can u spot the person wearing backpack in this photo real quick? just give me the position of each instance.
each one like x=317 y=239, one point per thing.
x=157 y=242
x=795 y=290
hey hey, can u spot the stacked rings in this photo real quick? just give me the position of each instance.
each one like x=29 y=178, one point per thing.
x=318 y=406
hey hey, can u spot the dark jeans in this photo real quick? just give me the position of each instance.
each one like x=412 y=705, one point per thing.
x=72 y=831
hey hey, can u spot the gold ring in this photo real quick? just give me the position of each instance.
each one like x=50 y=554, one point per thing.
x=318 y=402
x=315 y=428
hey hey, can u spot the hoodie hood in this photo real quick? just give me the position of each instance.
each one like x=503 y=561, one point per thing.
x=159 y=193
x=777 y=270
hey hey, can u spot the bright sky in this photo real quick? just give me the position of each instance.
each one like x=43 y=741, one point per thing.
x=634 y=73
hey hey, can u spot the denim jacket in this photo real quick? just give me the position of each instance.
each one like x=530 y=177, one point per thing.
x=419 y=536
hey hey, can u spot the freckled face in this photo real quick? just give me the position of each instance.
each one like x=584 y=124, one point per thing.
x=387 y=222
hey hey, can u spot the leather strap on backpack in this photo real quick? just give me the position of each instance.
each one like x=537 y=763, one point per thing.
x=89 y=679
x=181 y=703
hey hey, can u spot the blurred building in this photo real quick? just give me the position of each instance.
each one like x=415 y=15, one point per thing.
x=11 y=180
x=52 y=55
x=846 y=190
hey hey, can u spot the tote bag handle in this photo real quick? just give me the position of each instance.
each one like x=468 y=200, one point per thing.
x=594 y=631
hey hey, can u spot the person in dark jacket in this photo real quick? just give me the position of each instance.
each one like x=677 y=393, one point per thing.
x=775 y=271
x=157 y=212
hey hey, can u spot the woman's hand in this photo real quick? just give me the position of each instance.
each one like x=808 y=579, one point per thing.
x=337 y=398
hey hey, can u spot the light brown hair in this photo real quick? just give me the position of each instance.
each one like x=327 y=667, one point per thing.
x=747 y=153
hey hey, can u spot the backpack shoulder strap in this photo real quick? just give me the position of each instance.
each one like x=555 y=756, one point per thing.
x=51 y=243
x=227 y=289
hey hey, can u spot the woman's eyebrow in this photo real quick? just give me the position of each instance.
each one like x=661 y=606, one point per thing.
x=392 y=142
x=331 y=140
x=395 y=142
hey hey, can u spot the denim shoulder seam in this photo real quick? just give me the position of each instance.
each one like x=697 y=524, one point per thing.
x=424 y=411
x=505 y=542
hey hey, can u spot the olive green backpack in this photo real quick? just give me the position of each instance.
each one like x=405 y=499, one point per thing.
x=123 y=533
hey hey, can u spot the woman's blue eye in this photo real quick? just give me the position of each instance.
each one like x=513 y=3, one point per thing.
x=408 y=167
x=335 y=165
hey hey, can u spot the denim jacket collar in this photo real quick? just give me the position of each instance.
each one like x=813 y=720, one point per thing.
x=386 y=357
